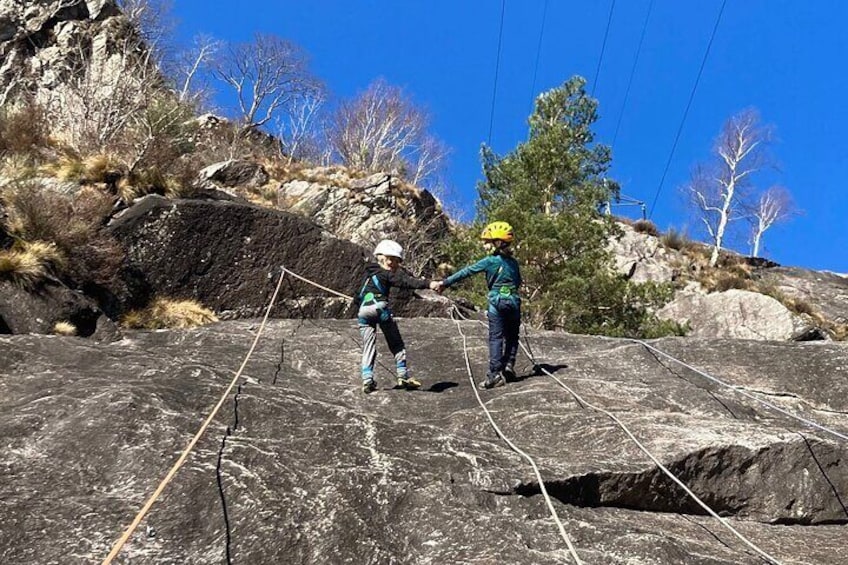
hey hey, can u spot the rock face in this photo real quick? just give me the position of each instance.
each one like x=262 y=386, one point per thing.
x=315 y=472
x=827 y=291
x=731 y=314
x=363 y=210
x=39 y=311
x=641 y=257
x=227 y=255
x=40 y=41
x=229 y=174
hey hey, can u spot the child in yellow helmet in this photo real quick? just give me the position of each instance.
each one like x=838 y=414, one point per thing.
x=503 y=278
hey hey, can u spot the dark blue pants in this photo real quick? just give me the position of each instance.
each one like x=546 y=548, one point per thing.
x=504 y=322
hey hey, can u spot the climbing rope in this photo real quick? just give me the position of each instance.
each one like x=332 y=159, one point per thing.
x=511 y=445
x=656 y=461
x=456 y=315
x=741 y=391
x=143 y=512
x=488 y=415
x=316 y=285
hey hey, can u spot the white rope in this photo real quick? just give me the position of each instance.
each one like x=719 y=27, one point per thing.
x=741 y=391
x=514 y=447
x=184 y=455
x=656 y=461
x=316 y=285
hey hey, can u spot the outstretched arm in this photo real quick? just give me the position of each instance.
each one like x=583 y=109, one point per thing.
x=465 y=272
x=401 y=279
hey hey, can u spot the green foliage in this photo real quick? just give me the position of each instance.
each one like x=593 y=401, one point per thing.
x=549 y=188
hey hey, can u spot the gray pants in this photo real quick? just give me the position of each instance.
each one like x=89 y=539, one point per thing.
x=369 y=317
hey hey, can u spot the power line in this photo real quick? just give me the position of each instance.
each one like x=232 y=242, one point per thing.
x=688 y=105
x=497 y=67
x=632 y=72
x=538 y=52
x=603 y=47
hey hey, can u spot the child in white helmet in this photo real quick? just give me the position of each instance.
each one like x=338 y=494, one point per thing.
x=374 y=311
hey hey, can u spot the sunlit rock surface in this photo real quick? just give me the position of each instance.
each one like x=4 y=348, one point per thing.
x=317 y=472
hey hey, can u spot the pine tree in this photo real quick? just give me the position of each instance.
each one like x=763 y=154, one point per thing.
x=550 y=188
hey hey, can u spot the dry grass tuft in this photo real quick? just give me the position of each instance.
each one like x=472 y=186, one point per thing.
x=18 y=166
x=23 y=130
x=28 y=264
x=65 y=328
x=674 y=239
x=646 y=226
x=167 y=313
x=21 y=268
x=68 y=168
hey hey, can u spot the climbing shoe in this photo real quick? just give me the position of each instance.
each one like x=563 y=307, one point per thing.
x=408 y=383
x=509 y=373
x=369 y=386
x=493 y=380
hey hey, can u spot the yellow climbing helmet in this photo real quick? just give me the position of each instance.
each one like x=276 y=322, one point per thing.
x=498 y=230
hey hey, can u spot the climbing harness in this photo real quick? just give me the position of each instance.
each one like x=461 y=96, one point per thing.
x=176 y=467
x=366 y=298
x=456 y=315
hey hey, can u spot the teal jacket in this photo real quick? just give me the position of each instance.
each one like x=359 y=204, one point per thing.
x=503 y=276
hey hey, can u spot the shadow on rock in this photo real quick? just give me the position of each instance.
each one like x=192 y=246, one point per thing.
x=441 y=386
x=539 y=371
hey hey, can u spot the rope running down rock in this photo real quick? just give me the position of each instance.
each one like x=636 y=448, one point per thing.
x=143 y=512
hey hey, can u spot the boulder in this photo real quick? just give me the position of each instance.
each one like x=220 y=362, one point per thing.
x=234 y=173
x=39 y=310
x=301 y=467
x=364 y=210
x=731 y=314
x=641 y=257
x=227 y=255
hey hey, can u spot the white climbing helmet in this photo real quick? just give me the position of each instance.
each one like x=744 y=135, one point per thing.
x=390 y=248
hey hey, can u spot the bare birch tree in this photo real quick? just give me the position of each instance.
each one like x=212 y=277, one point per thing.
x=111 y=86
x=188 y=68
x=718 y=191
x=302 y=131
x=775 y=205
x=383 y=130
x=267 y=75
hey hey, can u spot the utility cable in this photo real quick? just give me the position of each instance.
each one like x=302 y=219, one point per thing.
x=538 y=54
x=497 y=68
x=603 y=47
x=632 y=73
x=686 y=111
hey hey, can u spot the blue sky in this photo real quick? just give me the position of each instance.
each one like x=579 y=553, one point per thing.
x=784 y=57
